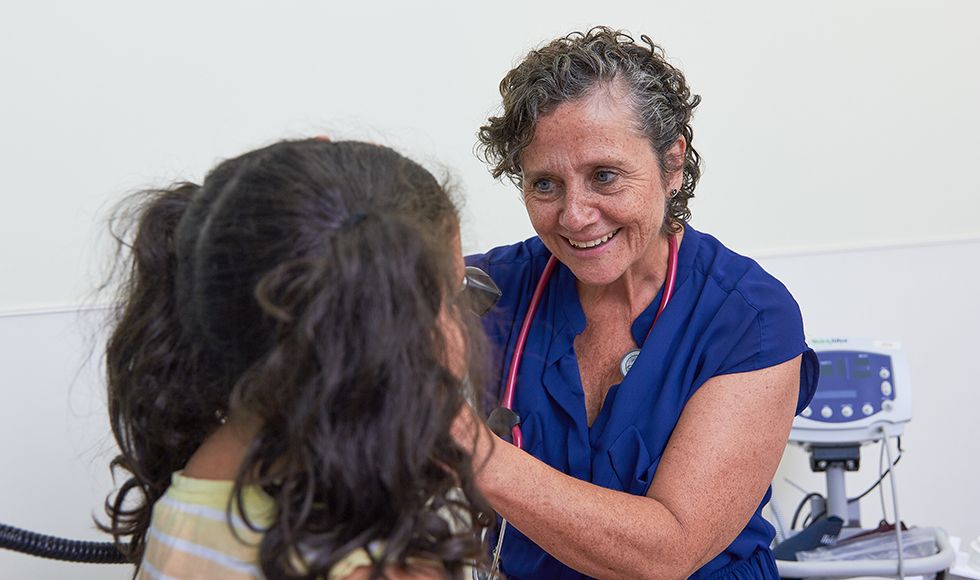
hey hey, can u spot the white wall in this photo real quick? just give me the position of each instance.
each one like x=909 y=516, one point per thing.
x=825 y=126
x=54 y=441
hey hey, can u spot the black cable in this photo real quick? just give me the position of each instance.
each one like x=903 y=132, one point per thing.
x=877 y=483
x=882 y=476
x=799 y=508
x=63 y=549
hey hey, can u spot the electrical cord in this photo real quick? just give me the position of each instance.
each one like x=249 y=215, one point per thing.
x=881 y=476
x=898 y=518
x=779 y=523
x=799 y=508
x=891 y=464
x=55 y=548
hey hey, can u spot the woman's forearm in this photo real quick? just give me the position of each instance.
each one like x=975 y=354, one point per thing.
x=597 y=531
x=708 y=484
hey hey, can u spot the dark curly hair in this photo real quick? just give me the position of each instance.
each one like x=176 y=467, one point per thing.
x=301 y=284
x=574 y=66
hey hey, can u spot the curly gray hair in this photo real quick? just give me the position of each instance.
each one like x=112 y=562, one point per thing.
x=572 y=67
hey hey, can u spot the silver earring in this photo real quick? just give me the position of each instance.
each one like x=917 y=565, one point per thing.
x=673 y=192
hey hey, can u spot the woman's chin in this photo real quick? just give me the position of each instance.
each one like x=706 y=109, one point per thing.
x=596 y=266
x=594 y=274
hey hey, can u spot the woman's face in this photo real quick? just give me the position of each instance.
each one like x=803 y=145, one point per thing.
x=593 y=189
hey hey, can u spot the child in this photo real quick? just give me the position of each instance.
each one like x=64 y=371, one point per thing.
x=285 y=367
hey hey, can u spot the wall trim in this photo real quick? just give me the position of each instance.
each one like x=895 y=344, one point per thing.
x=61 y=309
x=767 y=255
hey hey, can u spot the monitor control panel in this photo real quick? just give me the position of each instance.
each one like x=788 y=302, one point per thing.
x=863 y=387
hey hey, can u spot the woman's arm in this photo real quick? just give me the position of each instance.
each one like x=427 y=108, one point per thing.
x=715 y=470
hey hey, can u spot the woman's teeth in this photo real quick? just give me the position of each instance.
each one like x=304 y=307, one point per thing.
x=593 y=243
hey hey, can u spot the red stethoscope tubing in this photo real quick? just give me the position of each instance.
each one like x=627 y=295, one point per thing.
x=508 y=402
x=508 y=398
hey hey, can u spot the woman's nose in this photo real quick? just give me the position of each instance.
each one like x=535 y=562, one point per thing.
x=578 y=210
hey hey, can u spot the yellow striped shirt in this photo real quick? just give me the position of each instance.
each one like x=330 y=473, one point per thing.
x=190 y=537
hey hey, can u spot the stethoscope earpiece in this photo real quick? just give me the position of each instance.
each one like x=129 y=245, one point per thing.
x=482 y=292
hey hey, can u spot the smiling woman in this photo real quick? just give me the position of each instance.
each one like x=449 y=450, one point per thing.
x=649 y=467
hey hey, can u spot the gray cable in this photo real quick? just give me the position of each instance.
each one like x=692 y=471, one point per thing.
x=496 y=552
x=898 y=518
x=780 y=523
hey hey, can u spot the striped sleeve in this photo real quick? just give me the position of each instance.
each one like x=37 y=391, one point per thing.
x=190 y=537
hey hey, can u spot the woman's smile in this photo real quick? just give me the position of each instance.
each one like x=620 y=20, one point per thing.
x=593 y=243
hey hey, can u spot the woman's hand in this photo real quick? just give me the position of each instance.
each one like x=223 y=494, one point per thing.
x=473 y=435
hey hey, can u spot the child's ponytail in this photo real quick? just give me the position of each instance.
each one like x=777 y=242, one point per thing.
x=150 y=362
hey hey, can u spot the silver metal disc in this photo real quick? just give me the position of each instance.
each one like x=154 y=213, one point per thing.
x=628 y=359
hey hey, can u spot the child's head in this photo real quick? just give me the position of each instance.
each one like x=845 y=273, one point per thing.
x=353 y=214
x=310 y=285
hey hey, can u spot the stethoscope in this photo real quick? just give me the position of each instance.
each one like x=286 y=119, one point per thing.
x=504 y=419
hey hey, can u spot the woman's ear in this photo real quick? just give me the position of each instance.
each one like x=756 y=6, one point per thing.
x=675 y=161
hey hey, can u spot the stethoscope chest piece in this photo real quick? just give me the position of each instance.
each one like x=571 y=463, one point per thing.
x=627 y=363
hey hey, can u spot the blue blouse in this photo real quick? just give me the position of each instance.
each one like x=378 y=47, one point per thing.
x=727 y=315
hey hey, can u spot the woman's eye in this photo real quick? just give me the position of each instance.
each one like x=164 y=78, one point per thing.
x=543 y=185
x=604 y=176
